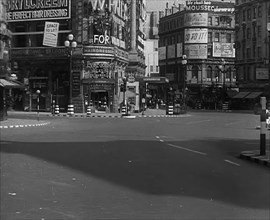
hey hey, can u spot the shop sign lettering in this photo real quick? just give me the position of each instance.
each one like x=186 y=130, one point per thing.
x=31 y=10
x=102 y=39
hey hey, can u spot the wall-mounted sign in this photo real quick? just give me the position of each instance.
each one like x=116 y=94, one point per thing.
x=30 y=10
x=171 y=51
x=216 y=6
x=196 y=19
x=102 y=39
x=223 y=50
x=196 y=35
x=196 y=51
x=262 y=73
x=50 y=34
x=162 y=53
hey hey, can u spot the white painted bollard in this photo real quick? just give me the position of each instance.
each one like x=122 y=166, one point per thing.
x=70 y=110
x=88 y=113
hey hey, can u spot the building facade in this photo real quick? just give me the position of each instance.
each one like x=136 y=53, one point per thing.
x=204 y=31
x=90 y=73
x=252 y=47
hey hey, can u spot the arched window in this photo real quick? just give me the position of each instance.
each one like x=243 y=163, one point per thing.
x=218 y=75
x=228 y=74
x=209 y=74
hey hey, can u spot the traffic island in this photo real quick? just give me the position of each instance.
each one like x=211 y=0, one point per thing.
x=255 y=157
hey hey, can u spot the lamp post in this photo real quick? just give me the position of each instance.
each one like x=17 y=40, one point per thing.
x=223 y=71
x=71 y=44
x=38 y=92
x=184 y=63
x=268 y=29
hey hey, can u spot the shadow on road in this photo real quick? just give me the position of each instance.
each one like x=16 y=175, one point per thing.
x=149 y=167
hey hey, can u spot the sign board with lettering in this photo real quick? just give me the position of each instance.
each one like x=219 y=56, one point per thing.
x=262 y=73
x=196 y=51
x=25 y=10
x=196 y=19
x=223 y=50
x=196 y=35
x=50 y=34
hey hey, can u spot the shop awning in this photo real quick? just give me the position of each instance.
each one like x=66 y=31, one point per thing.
x=231 y=93
x=241 y=95
x=10 y=84
x=253 y=95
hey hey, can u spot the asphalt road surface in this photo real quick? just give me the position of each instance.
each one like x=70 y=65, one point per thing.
x=142 y=168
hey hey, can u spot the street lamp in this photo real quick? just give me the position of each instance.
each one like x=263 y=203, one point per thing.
x=223 y=71
x=71 y=44
x=38 y=92
x=184 y=63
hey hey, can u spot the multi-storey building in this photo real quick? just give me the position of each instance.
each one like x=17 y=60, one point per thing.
x=89 y=73
x=252 y=48
x=204 y=32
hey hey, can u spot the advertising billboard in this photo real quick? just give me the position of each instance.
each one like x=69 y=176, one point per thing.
x=26 y=10
x=196 y=19
x=196 y=35
x=223 y=50
x=262 y=73
x=196 y=51
x=50 y=34
x=215 y=6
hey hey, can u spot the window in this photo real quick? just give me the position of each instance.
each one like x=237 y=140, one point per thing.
x=244 y=32
x=157 y=69
x=210 y=21
x=209 y=74
x=209 y=51
x=244 y=15
x=260 y=11
x=259 y=30
x=217 y=21
x=254 y=12
x=259 y=49
x=195 y=72
x=210 y=37
x=222 y=37
x=216 y=37
x=254 y=51
x=248 y=53
x=249 y=14
x=248 y=33
x=244 y=51
x=228 y=38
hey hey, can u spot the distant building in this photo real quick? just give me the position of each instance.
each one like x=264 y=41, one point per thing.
x=252 y=47
x=204 y=31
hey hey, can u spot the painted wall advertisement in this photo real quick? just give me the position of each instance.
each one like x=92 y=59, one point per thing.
x=196 y=35
x=50 y=34
x=196 y=19
x=223 y=50
x=262 y=73
x=25 y=10
x=196 y=51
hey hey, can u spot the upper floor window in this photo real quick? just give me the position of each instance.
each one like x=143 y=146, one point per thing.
x=228 y=38
x=259 y=49
x=217 y=21
x=248 y=33
x=249 y=14
x=210 y=37
x=216 y=37
x=244 y=15
x=248 y=53
x=254 y=12
x=210 y=21
x=259 y=30
x=260 y=11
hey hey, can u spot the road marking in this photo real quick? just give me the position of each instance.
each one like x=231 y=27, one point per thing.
x=231 y=162
x=183 y=148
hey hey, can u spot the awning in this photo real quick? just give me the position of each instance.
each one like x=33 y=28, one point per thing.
x=231 y=93
x=240 y=95
x=253 y=95
x=10 y=84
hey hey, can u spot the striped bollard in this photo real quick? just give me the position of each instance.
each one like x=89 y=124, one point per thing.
x=263 y=127
x=70 y=110
x=56 y=110
x=88 y=113
x=124 y=110
x=170 y=110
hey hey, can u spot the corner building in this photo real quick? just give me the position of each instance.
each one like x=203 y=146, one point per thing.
x=204 y=32
x=92 y=74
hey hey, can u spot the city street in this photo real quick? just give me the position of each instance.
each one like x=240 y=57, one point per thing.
x=140 y=168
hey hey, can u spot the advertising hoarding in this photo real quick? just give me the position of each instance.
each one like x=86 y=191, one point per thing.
x=196 y=35
x=196 y=51
x=216 y=6
x=223 y=50
x=196 y=19
x=162 y=53
x=171 y=51
x=50 y=34
x=262 y=73
x=26 y=10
